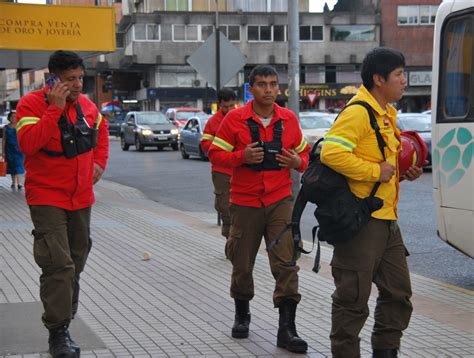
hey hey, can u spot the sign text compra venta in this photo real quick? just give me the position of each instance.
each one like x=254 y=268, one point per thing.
x=32 y=27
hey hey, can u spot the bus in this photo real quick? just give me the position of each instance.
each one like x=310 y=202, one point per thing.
x=453 y=123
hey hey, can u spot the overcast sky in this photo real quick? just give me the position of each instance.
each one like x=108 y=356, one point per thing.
x=318 y=5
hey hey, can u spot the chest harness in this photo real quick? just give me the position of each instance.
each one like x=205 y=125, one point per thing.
x=270 y=149
x=76 y=138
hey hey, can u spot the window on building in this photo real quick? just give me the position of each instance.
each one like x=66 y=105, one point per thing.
x=249 y=5
x=156 y=5
x=279 y=6
x=259 y=33
x=311 y=33
x=176 y=5
x=206 y=31
x=353 y=33
x=139 y=32
x=279 y=33
x=120 y=39
x=153 y=32
x=232 y=32
x=413 y=15
x=146 y=32
x=191 y=33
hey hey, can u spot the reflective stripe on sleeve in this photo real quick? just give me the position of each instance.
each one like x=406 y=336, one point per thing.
x=218 y=142
x=99 y=119
x=206 y=136
x=26 y=121
x=302 y=145
x=339 y=141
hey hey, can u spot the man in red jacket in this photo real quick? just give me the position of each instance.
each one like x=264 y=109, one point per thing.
x=220 y=174
x=262 y=142
x=65 y=142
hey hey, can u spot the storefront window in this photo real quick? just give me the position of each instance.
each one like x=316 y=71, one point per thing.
x=353 y=33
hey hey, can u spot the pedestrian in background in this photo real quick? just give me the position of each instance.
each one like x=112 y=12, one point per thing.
x=14 y=157
x=65 y=141
x=262 y=142
x=220 y=174
x=377 y=253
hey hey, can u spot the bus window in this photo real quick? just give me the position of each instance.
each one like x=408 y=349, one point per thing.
x=456 y=66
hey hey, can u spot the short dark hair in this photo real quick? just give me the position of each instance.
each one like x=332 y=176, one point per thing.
x=64 y=60
x=10 y=115
x=380 y=61
x=225 y=95
x=262 y=70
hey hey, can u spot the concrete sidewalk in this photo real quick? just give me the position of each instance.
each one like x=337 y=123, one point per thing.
x=177 y=303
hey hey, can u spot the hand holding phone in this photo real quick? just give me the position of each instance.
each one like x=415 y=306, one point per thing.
x=58 y=92
x=51 y=80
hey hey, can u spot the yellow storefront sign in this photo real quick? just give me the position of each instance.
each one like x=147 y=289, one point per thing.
x=52 y=27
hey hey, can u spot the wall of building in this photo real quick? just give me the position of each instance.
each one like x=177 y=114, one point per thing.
x=416 y=42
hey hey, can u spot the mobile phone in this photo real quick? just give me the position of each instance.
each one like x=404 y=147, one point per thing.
x=51 y=80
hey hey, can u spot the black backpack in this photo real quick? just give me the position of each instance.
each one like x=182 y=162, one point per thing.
x=340 y=214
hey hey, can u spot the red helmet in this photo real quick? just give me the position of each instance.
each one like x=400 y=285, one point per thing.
x=414 y=151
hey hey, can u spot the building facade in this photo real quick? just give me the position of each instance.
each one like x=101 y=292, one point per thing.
x=156 y=37
x=408 y=26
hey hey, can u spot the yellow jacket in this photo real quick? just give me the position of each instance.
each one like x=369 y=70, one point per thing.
x=350 y=148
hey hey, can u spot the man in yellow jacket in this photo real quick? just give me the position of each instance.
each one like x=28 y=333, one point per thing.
x=377 y=254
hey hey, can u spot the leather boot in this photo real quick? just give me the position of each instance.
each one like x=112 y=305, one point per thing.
x=59 y=343
x=287 y=336
x=240 y=329
x=74 y=345
x=385 y=353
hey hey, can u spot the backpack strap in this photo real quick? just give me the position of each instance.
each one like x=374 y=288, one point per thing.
x=380 y=141
x=254 y=130
x=277 y=131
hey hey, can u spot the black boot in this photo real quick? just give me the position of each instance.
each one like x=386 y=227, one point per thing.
x=240 y=329
x=385 y=353
x=59 y=343
x=74 y=345
x=287 y=336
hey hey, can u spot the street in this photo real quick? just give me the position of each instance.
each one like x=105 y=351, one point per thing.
x=165 y=177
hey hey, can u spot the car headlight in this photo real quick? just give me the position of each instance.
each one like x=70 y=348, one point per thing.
x=174 y=131
x=147 y=132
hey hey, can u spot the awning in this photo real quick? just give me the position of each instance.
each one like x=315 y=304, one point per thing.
x=30 y=33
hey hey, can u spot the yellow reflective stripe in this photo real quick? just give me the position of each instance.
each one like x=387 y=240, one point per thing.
x=302 y=145
x=26 y=121
x=218 y=142
x=326 y=142
x=99 y=119
x=206 y=136
x=342 y=142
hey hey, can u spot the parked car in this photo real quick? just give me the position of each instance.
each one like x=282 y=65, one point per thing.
x=315 y=125
x=147 y=129
x=179 y=116
x=419 y=122
x=115 y=123
x=190 y=137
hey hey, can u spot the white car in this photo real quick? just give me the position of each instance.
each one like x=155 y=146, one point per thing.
x=315 y=125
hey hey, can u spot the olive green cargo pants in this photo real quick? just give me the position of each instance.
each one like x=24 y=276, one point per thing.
x=376 y=255
x=249 y=224
x=61 y=246
x=221 y=183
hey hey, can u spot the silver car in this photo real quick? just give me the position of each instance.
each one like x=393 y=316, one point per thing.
x=148 y=129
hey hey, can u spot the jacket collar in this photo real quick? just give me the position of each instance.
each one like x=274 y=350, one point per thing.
x=365 y=94
x=278 y=113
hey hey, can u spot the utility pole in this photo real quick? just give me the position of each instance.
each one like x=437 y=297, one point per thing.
x=294 y=73
x=218 y=50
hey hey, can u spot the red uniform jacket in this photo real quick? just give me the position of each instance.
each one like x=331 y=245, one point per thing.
x=210 y=131
x=249 y=187
x=57 y=181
